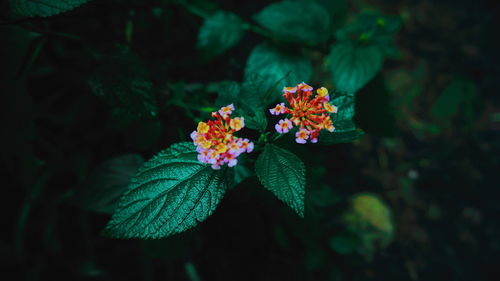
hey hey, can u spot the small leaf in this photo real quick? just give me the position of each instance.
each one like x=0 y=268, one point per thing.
x=43 y=8
x=370 y=27
x=369 y=210
x=248 y=99
x=255 y=120
x=353 y=65
x=123 y=82
x=287 y=23
x=102 y=189
x=370 y=220
x=345 y=128
x=219 y=32
x=273 y=65
x=171 y=193
x=283 y=173
x=458 y=95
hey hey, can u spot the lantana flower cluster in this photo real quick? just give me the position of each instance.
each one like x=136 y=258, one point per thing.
x=215 y=141
x=309 y=115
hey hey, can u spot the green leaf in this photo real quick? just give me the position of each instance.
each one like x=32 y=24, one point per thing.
x=248 y=100
x=123 y=82
x=102 y=189
x=353 y=65
x=171 y=193
x=219 y=32
x=458 y=95
x=345 y=128
x=283 y=173
x=255 y=120
x=371 y=28
x=287 y=23
x=272 y=65
x=44 y=8
x=227 y=93
x=371 y=219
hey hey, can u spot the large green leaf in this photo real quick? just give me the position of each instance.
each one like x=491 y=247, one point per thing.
x=283 y=173
x=43 y=8
x=296 y=21
x=171 y=193
x=353 y=65
x=273 y=65
x=101 y=191
x=219 y=32
x=345 y=129
x=123 y=82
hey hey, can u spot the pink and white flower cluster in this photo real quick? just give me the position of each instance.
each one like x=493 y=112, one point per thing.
x=215 y=141
x=309 y=113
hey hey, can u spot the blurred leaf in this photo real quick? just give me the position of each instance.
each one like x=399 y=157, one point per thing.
x=43 y=8
x=370 y=218
x=458 y=95
x=219 y=32
x=282 y=173
x=285 y=22
x=406 y=84
x=344 y=243
x=272 y=65
x=123 y=82
x=374 y=211
x=171 y=193
x=101 y=191
x=353 y=65
x=345 y=129
x=372 y=29
x=338 y=10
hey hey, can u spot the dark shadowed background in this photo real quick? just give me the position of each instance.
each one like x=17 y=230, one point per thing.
x=415 y=198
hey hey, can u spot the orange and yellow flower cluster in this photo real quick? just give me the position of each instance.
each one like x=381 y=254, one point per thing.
x=215 y=142
x=310 y=115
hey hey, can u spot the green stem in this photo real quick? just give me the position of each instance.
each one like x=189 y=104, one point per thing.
x=277 y=137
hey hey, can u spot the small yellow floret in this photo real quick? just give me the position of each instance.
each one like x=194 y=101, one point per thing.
x=236 y=123
x=322 y=92
x=203 y=127
x=206 y=144
x=221 y=148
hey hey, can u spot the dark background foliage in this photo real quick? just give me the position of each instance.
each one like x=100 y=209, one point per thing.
x=430 y=152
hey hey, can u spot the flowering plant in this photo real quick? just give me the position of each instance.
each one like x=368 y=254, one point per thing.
x=194 y=176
